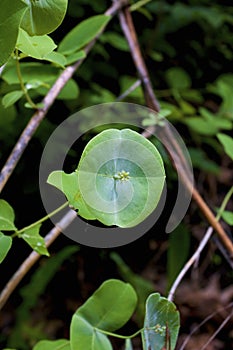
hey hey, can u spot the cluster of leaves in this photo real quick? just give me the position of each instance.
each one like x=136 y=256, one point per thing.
x=102 y=314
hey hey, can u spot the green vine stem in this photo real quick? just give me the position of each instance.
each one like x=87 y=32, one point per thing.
x=156 y=328
x=28 y=98
x=18 y=232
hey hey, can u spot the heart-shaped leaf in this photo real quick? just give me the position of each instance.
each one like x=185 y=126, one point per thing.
x=7 y=216
x=11 y=13
x=5 y=245
x=43 y=16
x=161 y=324
x=102 y=311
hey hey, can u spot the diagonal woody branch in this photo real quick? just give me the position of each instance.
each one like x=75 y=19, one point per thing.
x=47 y=102
x=169 y=141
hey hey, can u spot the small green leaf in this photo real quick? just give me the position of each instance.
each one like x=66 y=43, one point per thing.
x=102 y=311
x=30 y=71
x=35 y=46
x=74 y=57
x=5 y=246
x=44 y=16
x=56 y=58
x=163 y=317
x=69 y=92
x=177 y=78
x=82 y=34
x=61 y=344
x=68 y=184
x=10 y=17
x=33 y=238
x=7 y=217
x=227 y=143
x=11 y=98
x=228 y=217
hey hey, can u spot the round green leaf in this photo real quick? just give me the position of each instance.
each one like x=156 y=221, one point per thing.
x=5 y=245
x=177 y=78
x=43 y=16
x=102 y=311
x=161 y=318
x=10 y=18
x=120 y=177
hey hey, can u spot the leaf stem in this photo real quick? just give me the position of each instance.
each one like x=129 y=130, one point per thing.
x=28 y=98
x=16 y=233
x=125 y=336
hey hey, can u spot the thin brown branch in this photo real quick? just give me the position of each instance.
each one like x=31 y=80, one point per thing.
x=34 y=257
x=166 y=134
x=47 y=102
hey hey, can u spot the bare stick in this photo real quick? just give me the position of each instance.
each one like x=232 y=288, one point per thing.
x=167 y=136
x=227 y=319
x=195 y=329
x=190 y=262
x=34 y=257
x=202 y=244
x=40 y=114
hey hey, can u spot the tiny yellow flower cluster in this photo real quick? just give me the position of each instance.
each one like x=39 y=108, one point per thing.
x=121 y=175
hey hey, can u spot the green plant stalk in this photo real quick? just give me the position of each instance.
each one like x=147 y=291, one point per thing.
x=16 y=233
x=224 y=203
x=125 y=336
x=28 y=98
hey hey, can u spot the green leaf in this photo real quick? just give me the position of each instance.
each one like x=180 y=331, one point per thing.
x=10 y=17
x=227 y=143
x=179 y=242
x=43 y=16
x=201 y=126
x=68 y=184
x=7 y=217
x=102 y=311
x=56 y=58
x=61 y=344
x=30 y=72
x=5 y=246
x=35 y=46
x=12 y=97
x=83 y=33
x=163 y=317
x=69 y=92
x=74 y=57
x=120 y=177
x=178 y=79
x=33 y=238
x=228 y=217
x=116 y=40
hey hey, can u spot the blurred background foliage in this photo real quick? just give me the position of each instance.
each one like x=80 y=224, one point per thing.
x=188 y=48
